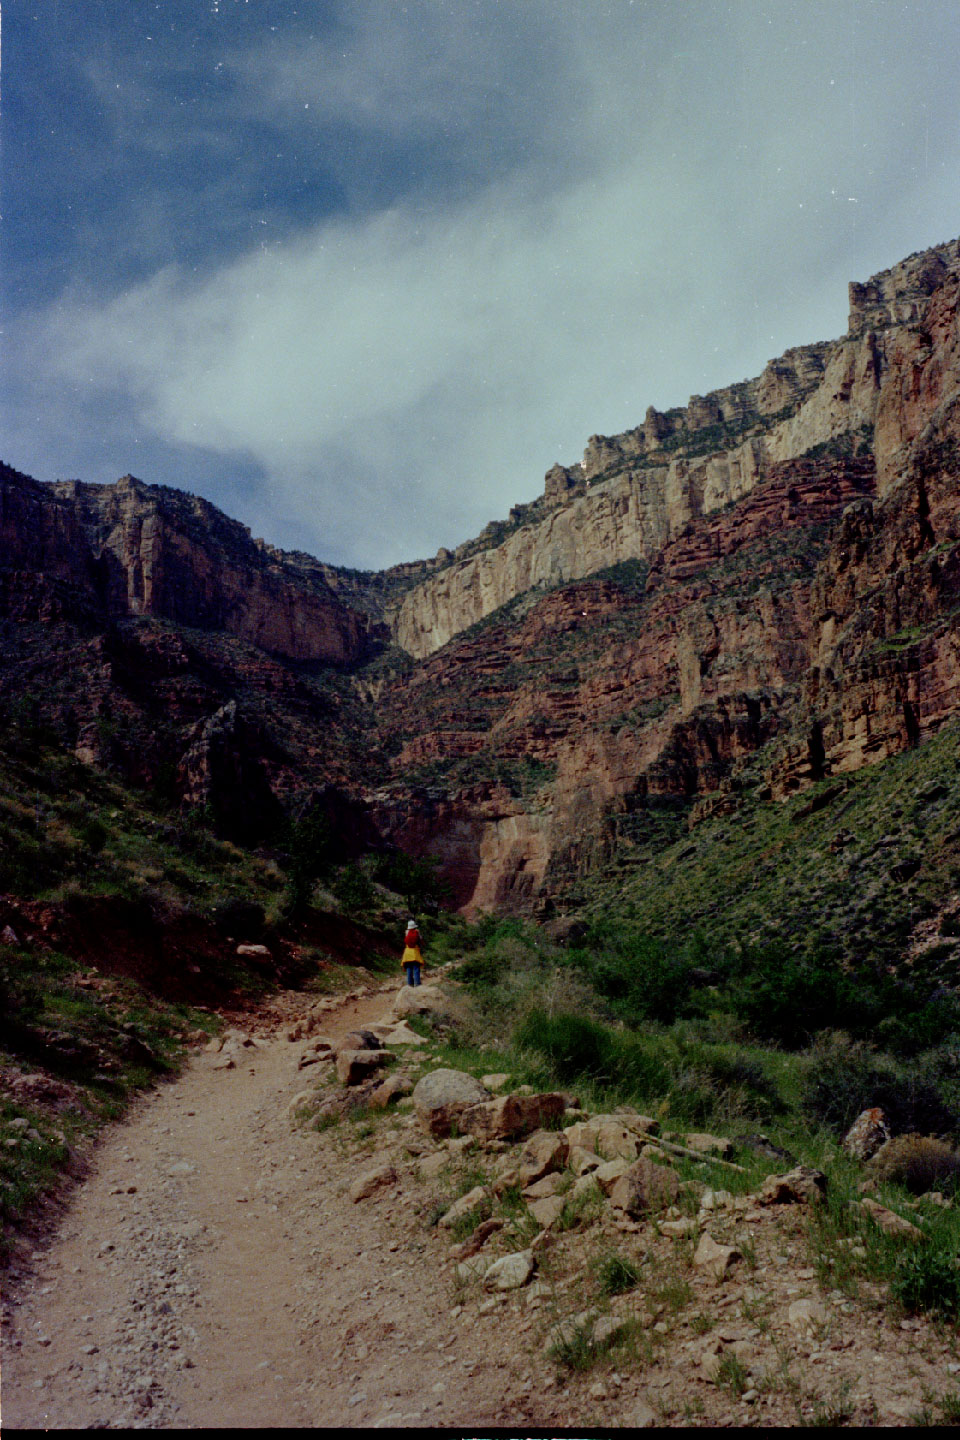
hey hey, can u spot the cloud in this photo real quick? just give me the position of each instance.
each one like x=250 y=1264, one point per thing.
x=403 y=371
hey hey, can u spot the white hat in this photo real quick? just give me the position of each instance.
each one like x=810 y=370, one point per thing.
x=411 y=925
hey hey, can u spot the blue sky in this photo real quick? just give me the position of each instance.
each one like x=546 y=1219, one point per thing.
x=361 y=272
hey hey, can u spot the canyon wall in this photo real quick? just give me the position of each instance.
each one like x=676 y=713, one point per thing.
x=794 y=607
x=636 y=491
x=131 y=549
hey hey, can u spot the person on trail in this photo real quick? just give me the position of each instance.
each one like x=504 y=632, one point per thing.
x=412 y=961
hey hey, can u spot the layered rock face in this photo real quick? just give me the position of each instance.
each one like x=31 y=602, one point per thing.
x=770 y=570
x=524 y=739
x=635 y=492
x=800 y=584
x=132 y=549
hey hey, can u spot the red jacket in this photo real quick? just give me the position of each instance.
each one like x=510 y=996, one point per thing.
x=412 y=937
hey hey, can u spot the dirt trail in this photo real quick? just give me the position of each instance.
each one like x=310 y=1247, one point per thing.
x=212 y=1271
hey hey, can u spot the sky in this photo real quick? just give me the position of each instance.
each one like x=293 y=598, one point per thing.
x=361 y=271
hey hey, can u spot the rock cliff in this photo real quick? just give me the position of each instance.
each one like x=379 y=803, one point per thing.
x=637 y=491
x=770 y=571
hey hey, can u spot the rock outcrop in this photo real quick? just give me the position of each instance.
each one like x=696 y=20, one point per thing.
x=635 y=492
x=773 y=567
x=130 y=549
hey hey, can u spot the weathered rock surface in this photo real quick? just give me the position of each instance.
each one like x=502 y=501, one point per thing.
x=801 y=1185
x=644 y=1187
x=508 y=1117
x=510 y=1272
x=365 y=1185
x=356 y=1066
x=866 y=1135
x=441 y=1097
x=714 y=1258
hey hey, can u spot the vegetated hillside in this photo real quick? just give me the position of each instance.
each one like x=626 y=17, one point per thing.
x=128 y=928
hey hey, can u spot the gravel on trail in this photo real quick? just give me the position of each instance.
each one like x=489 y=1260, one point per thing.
x=212 y=1271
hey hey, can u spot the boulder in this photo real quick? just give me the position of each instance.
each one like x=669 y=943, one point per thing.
x=365 y=1185
x=866 y=1135
x=389 y=1089
x=586 y=1185
x=495 y=1081
x=477 y=1240
x=432 y=1166
x=615 y=1139
x=359 y=1040
x=401 y=1034
x=547 y=1211
x=464 y=1206
x=889 y=1221
x=355 y=1066
x=545 y=1152
x=609 y=1172
x=509 y=1117
x=704 y=1144
x=582 y=1135
x=315 y=1052
x=540 y=1189
x=474 y=1267
x=582 y=1161
x=441 y=1097
x=644 y=1187
x=458 y=1147
x=417 y=1000
x=510 y=1272
x=715 y=1259
x=679 y=1229
x=802 y=1185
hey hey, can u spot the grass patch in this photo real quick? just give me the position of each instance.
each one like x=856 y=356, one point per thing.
x=615 y=1274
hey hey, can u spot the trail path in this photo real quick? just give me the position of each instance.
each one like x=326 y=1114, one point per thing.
x=213 y=1271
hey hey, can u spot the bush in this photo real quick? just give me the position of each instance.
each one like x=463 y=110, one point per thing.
x=788 y=998
x=615 y=1274
x=918 y=1162
x=353 y=888
x=642 y=978
x=840 y=1077
x=576 y=1048
x=927 y=1280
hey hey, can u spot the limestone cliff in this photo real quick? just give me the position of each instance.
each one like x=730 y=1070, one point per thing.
x=637 y=491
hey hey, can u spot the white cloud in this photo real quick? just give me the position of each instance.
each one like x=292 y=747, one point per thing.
x=403 y=375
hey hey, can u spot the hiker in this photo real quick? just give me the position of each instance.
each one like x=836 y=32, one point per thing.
x=412 y=959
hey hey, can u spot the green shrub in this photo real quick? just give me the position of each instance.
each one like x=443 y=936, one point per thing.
x=575 y=1047
x=918 y=1162
x=839 y=1077
x=927 y=1280
x=787 y=998
x=353 y=888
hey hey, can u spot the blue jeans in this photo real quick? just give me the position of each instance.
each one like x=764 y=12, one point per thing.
x=413 y=973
